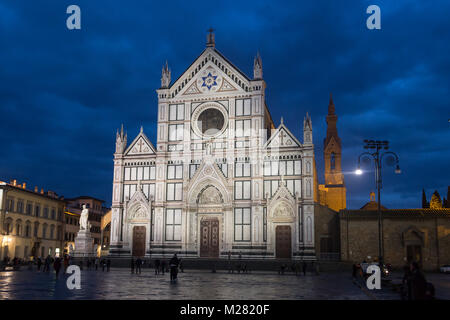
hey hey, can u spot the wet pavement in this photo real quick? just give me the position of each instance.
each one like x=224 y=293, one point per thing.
x=192 y=284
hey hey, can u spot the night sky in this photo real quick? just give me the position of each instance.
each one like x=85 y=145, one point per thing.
x=64 y=93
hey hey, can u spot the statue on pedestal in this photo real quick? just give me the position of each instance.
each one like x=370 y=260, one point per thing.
x=84 y=223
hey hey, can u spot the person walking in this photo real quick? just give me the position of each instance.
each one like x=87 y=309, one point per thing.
x=39 y=264
x=181 y=266
x=138 y=265
x=173 y=264
x=57 y=266
x=103 y=263
x=108 y=265
x=163 y=266
x=96 y=264
x=157 y=266
x=304 y=268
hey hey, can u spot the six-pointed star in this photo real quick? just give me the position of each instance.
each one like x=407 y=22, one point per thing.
x=209 y=81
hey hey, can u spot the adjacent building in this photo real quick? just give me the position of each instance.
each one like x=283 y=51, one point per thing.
x=421 y=235
x=31 y=222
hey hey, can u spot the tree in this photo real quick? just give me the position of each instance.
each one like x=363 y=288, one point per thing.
x=435 y=202
x=425 y=203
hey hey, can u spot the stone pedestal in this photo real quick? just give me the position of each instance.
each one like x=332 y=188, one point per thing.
x=84 y=244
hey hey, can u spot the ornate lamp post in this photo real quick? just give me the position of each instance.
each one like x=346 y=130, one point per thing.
x=375 y=146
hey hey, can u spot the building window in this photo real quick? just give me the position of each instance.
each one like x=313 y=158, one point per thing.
x=174 y=191
x=242 y=190
x=173 y=224
x=176 y=132
x=192 y=169
x=45 y=212
x=300 y=222
x=149 y=190
x=27 y=230
x=282 y=168
x=224 y=168
x=20 y=206
x=53 y=215
x=10 y=205
x=37 y=211
x=294 y=186
x=140 y=173
x=29 y=209
x=243 y=107
x=243 y=128
x=174 y=172
x=270 y=187
x=242 y=224
x=128 y=191
x=52 y=231
x=242 y=169
x=176 y=112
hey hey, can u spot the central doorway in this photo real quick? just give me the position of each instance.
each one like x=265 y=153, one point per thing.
x=138 y=241
x=209 y=238
x=283 y=242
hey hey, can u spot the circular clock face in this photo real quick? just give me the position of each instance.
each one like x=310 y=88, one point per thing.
x=210 y=121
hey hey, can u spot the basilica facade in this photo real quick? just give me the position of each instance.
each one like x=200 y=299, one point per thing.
x=222 y=181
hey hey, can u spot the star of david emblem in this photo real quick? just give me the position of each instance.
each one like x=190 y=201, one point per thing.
x=209 y=81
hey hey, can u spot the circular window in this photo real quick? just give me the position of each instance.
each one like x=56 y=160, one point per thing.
x=210 y=121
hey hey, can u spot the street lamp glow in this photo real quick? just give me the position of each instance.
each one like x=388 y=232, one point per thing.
x=358 y=171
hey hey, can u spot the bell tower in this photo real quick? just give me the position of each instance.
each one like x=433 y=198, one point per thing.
x=334 y=179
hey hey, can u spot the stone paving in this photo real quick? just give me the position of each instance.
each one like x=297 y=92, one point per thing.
x=119 y=283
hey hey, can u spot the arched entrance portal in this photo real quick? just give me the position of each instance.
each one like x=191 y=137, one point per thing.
x=283 y=242
x=139 y=241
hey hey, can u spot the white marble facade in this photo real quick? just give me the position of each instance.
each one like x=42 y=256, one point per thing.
x=222 y=179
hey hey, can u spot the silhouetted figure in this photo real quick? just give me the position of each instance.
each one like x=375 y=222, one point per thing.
x=39 y=264
x=304 y=268
x=418 y=282
x=96 y=264
x=138 y=265
x=173 y=264
x=163 y=266
x=108 y=265
x=157 y=266
x=57 y=266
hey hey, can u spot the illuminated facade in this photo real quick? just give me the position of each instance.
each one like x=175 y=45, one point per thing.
x=31 y=222
x=222 y=178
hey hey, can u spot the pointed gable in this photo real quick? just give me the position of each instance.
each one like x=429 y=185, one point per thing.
x=282 y=138
x=211 y=72
x=141 y=145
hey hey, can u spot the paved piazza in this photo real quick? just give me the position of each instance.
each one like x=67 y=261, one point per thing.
x=192 y=284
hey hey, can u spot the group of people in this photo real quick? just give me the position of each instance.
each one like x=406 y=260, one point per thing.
x=95 y=263
x=297 y=268
x=161 y=266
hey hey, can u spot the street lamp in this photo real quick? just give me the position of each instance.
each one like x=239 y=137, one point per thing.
x=375 y=146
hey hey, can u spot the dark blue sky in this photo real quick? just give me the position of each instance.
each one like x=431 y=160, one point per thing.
x=64 y=93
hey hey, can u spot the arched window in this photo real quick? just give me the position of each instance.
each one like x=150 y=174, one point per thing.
x=52 y=231
x=36 y=229
x=28 y=229
x=8 y=225
x=44 y=231
x=19 y=227
x=333 y=161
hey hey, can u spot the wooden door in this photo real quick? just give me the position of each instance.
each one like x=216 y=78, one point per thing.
x=139 y=241
x=283 y=242
x=209 y=234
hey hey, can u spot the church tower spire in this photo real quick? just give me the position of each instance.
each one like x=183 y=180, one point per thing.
x=165 y=76
x=334 y=179
x=257 y=67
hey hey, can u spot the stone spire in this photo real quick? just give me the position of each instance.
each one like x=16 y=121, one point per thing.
x=210 y=41
x=121 y=140
x=307 y=130
x=257 y=67
x=331 y=109
x=165 y=76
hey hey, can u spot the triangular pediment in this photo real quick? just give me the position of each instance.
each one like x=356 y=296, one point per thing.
x=210 y=73
x=208 y=174
x=332 y=145
x=138 y=207
x=141 y=145
x=282 y=138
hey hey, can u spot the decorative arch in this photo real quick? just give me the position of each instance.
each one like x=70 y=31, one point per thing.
x=209 y=195
x=201 y=185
